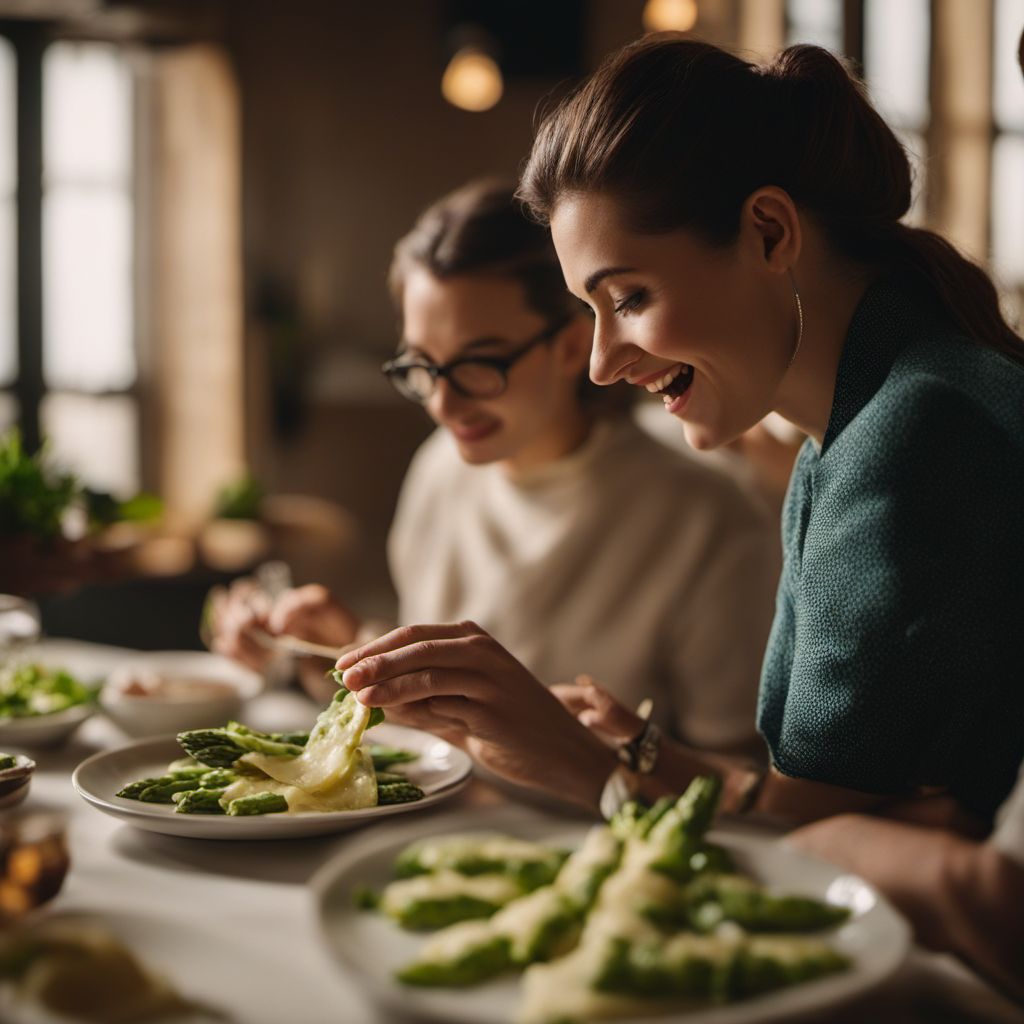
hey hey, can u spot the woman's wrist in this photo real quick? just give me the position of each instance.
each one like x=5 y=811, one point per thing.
x=588 y=764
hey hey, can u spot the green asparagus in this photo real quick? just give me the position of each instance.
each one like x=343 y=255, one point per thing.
x=397 y=793
x=484 y=956
x=199 y=801
x=387 y=757
x=257 y=803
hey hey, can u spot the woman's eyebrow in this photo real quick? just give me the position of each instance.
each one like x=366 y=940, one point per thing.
x=406 y=348
x=487 y=342
x=599 y=275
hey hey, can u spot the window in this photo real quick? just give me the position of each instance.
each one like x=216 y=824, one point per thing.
x=8 y=237
x=1007 y=205
x=896 y=72
x=815 y=21
x=81 y=395
x=890 y=41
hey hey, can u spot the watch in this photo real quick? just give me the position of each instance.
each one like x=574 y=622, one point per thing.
x=640 y=754
x=636 y=757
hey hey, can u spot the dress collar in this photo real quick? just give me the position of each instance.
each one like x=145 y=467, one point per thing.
x=878 y=331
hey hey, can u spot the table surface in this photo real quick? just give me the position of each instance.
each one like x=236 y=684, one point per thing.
x=258 y=897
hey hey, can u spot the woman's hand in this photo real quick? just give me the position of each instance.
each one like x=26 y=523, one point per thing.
x=459 y=683
x=311 y=613
x=229 y=618
x=598 y=710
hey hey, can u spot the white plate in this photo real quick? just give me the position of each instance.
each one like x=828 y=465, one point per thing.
x=441 y=771
x=208 y=965
x=369 y=948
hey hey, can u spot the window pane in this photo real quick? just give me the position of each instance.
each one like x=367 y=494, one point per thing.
x=8 y=284
x=896 y=52
x=8 y=411
x=96 y=438
x=1008 y=209
x=1009 y=85
x=917 y=152
x=8 y=241
x=815 y=21
x=87 y=290
x=86 y=113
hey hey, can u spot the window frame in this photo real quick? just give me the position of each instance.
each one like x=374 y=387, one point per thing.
x=30 y=40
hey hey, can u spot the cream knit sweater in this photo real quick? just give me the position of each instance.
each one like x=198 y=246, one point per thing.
x=646 y=568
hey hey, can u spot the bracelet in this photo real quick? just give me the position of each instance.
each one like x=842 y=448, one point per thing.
x=640 y=754
x=638 y=757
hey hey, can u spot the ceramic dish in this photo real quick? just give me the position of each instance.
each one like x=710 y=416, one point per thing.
x=369 y=948
x=44 y=730
x=229 y=686
x=14 y=781
x=440 y=771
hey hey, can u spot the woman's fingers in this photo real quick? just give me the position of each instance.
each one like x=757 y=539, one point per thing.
x=406 y=635
x=297 y=604
x=434 y=654
x=574 y=698
x=427 y=684
x=597 y=709
x=447 y=717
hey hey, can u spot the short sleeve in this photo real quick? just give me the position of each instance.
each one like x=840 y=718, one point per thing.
x=907 y=595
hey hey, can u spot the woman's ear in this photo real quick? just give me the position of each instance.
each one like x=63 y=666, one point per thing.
x=574 y=342
x=770 y=226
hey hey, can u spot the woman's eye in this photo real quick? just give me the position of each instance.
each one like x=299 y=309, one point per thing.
x=631 y=302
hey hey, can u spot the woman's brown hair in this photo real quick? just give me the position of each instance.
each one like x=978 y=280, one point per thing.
x=482 y=228
x=680 y=133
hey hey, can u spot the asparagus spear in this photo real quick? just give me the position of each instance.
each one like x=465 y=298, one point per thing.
x=214 y=748
x=199 y=801
x=258 y=803
x=733 y=898
x=386 y=757
x=467 y=954
x=221 y=748
x=398 y=793
x=163 y=789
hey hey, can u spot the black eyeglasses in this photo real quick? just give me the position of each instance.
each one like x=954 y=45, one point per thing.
x=470 y=376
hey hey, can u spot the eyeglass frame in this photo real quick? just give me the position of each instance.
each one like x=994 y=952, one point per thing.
x=444 y=370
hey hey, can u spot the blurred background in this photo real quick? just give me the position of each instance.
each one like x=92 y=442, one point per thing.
x=198 y=201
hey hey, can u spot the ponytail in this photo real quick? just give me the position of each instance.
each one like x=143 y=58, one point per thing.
x=682 y=132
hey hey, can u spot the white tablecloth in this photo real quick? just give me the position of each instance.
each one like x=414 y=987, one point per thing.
x=234 y=923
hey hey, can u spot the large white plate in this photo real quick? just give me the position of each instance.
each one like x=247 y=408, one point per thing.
x=207 y=962
x=441 y=771
x=369 y=948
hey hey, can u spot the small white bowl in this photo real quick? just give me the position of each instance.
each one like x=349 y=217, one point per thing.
x=14 y=781
x=44 y=730
x=153 y=714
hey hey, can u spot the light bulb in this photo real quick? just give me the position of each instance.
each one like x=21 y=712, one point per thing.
x=670 y=15
x=472 y=80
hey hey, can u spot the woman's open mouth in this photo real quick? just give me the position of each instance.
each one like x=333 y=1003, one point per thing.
x=673 y=383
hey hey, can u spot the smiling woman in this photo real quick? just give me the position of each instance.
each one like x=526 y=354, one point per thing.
x=539 y=508
x=737 y=231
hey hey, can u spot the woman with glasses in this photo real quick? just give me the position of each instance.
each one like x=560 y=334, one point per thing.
x=532 y=505
x=738 y=231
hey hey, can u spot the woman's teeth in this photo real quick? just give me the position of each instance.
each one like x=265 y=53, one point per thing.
x=673 y=382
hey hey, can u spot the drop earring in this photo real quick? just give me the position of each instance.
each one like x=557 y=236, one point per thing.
x=799 y=319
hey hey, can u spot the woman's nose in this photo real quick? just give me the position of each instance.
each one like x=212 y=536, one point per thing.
x=609 y=358
x=444 y=401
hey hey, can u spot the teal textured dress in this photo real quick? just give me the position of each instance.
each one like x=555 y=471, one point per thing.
x=896 y=659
